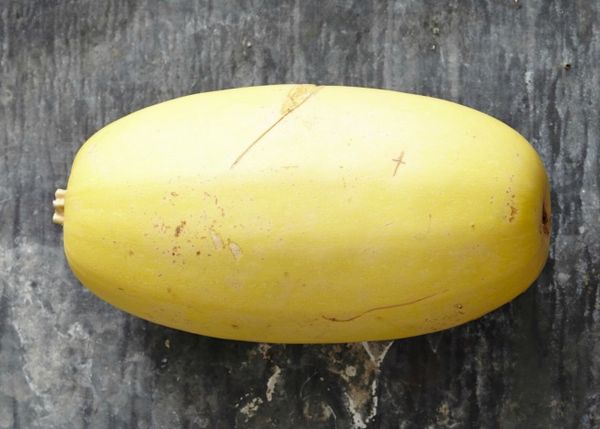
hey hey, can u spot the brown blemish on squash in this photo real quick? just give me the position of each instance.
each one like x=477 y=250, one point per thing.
x=384 y=307
x=398 y=161
x=175 y=194
x=179 y=228
x=297 y=96
x=510 y=204
x=162 y=227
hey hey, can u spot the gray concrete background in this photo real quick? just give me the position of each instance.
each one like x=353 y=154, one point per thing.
x=69 y=360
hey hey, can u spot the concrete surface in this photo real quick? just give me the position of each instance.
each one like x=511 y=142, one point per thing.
x=68 y=360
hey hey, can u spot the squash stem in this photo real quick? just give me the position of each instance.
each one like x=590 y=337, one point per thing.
x=59 y=206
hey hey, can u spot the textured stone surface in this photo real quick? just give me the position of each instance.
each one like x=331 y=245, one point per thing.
x=68 y=360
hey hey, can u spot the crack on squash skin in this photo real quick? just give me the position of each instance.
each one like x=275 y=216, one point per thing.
x=384 y=307
x=297 y=96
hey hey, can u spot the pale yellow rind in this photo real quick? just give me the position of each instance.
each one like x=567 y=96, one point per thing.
x=304 y=214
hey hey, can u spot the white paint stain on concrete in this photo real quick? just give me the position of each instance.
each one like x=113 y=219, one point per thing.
x=251 y=408
x=377 y=350
x=272 y=383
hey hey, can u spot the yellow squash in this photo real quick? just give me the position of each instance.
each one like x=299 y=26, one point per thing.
x=306 y=214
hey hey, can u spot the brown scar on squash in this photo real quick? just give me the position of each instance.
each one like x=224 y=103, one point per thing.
x=179 y=228
x=297 y=96
x=384 y=307
x=398 y=161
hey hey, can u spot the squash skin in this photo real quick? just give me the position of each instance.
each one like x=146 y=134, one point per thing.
x=304 y=214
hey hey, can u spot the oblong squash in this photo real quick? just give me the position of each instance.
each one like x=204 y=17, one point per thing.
x=305 y=214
